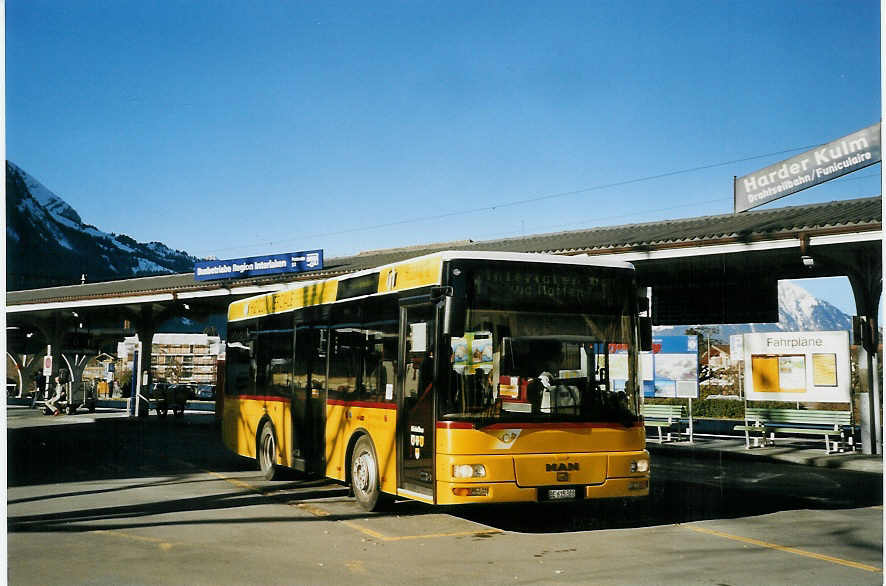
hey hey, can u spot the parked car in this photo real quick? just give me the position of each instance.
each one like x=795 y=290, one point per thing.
x=205 y=393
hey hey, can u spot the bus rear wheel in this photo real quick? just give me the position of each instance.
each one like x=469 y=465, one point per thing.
x=364 y=475
x=267 y=453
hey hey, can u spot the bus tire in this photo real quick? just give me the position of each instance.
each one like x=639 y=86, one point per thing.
x=364 y=475
x=266 y=452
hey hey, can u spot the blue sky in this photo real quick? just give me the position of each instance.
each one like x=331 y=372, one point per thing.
x=235 y=128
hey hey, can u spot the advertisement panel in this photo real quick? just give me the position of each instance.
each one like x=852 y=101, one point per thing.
x=810 y=367
x=670 y=370
x=254 y=266
x=835 y=159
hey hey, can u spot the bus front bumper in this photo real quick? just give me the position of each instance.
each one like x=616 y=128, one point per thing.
x=452 y=493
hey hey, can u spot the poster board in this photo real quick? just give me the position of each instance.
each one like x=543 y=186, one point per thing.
x=671 y=369
x=810 y=367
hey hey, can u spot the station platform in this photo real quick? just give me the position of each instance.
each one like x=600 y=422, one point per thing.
x=790 y=451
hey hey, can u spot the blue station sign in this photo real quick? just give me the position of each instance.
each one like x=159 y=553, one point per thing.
x=254 y=266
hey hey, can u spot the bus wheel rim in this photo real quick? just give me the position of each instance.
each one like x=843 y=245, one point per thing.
x=267 y=452
x=363 y=472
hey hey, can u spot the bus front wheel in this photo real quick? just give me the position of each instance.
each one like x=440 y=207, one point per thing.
x=364 y=474
x=267 y=453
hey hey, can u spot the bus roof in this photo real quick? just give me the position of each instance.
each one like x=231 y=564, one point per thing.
x=421 y=271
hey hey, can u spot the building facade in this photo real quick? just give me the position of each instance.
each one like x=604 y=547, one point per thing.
x=179 y=358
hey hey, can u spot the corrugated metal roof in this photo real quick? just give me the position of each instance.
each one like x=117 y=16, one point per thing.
x=856 y=215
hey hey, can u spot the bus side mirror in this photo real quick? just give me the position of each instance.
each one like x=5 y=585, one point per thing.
x=645 y=334
x=454 y=317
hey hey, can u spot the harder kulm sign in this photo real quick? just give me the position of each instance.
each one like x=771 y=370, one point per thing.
x=835 y=159
x=239 y=268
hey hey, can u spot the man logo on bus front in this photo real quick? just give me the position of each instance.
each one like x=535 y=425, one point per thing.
x=562 y=467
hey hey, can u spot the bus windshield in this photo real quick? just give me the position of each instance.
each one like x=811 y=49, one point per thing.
x=543 y=342
x=531 y=366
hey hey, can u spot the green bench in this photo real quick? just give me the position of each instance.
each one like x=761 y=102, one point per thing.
x=663 y=417
x=835 y=427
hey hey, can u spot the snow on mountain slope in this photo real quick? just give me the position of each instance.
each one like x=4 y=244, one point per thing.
x=48 y=244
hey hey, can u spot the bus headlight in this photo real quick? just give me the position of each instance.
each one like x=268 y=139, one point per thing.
x=640 y=465
x=469 y=471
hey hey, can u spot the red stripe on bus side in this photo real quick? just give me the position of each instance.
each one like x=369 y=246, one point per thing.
x=454 y=425
x=370 y=404
x=261 y=398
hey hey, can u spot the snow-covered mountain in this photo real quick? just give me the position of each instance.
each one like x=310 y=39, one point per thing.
x=798 y=311
x=48 y=244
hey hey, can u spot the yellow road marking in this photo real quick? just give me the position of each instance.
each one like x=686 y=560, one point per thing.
x=234 y=481
x=319 y=512
x=366 y=531
x=436 y=535
x=793 y=550
x=356 y=567
x=162 y=544
x=312 y=509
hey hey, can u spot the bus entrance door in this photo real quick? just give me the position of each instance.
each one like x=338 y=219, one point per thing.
x=416 y=400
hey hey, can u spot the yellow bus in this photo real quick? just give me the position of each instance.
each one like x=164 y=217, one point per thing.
x=452 y=378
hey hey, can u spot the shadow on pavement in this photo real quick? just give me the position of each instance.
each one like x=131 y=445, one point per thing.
x=160 y=453
x=115 y=449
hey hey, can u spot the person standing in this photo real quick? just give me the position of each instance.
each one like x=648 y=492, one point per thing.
x=51 y=403
x=40 y=389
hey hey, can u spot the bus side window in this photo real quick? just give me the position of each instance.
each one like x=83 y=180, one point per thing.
x=388 y=369
x=344 y=363
x=303 y=346
x=379 y=367
x=370 y=375
x=273 y=356
x=240 y=364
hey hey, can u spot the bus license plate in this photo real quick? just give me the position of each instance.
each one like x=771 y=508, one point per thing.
x=559 y=494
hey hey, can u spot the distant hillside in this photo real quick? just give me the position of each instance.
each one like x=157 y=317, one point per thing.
x=47 y=244
x=798 y=311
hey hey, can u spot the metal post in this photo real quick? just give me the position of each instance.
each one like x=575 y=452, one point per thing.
x=874 y=381
x=869 y=398
x=133 y=383
x=137 y=389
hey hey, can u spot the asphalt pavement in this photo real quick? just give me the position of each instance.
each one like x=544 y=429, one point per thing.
x=156 y=501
